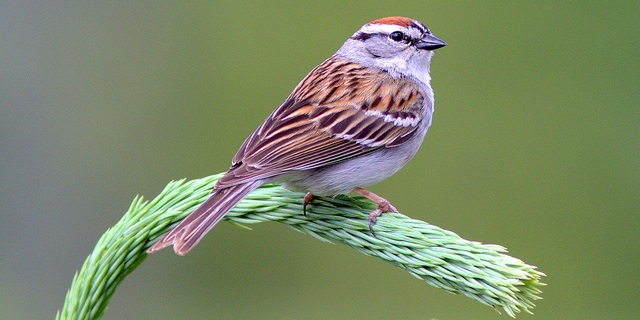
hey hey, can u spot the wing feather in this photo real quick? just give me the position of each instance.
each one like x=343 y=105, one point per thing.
x=329 y=119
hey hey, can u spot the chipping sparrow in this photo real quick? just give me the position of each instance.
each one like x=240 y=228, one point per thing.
x=354 y=120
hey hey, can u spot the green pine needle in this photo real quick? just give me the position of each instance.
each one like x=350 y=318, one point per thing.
x=441 y=258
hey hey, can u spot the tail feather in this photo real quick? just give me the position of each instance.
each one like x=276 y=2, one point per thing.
x=194 y=227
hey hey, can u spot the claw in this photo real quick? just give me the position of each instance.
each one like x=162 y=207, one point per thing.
x=372 y=219
x=305 y=202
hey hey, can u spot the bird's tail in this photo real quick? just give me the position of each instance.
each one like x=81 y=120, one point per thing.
x=190 y=231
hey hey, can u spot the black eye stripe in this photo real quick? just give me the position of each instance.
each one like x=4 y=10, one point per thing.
x=364 y=36
x=420 y=27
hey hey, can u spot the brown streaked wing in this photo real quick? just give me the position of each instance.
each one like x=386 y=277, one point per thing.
x=328 y=120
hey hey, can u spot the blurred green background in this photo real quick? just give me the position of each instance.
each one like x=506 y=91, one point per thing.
x=535 y=145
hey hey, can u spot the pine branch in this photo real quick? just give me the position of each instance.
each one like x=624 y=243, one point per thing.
x=441 y=258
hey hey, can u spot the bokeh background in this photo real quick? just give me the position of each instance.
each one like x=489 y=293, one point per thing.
x=535 y=145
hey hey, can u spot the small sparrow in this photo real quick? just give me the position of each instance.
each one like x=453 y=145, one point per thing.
x=353 y=121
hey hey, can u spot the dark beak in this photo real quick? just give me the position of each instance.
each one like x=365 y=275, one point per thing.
x=430 y=42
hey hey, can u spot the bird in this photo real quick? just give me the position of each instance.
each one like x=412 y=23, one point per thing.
x=353 y=121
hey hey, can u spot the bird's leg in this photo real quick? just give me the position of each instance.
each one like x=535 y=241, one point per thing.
x=383 y=205
x=305 y=202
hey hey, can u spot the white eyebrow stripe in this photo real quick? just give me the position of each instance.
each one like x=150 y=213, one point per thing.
x=380 y=28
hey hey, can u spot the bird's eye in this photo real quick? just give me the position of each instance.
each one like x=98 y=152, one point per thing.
x=397 y=36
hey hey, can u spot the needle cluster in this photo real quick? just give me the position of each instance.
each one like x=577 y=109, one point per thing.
x=441 y=258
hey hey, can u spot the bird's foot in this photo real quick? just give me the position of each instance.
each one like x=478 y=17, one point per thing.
x=383 y=206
